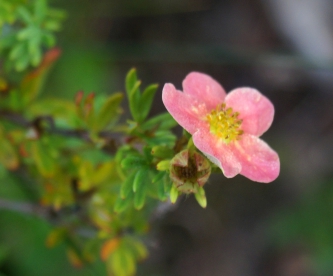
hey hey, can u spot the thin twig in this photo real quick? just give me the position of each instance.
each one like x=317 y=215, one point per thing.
x=51 y=128
x=24 y=208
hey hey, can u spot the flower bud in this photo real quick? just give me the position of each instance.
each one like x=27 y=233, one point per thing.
x=189 y=170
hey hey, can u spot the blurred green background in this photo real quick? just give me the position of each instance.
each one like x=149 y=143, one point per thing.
x=281 y=229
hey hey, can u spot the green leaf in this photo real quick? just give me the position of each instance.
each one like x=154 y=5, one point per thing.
x=137 y=248
x=163 y=165
x=122 y=204
x=201 y=197
x=40 y=10
x=33 y=82
x=15 y=100
x=147 y=100
x=22 y=62
x=160 y=190
x=8 y=41
x=133 y=161
x=140 y=178
x=48 y=39
x=140 y=197
x=8 y=155
x=123 y=263
x=24 y=14
x=162 y=121
x=36 y=57
x=17 y=51
x=131 y=79
x=52 y=25
x=167 y=184
x=162 y=137
x=46 y=164
x=147 y=154
x=26 y=33
x=173 y=194
x=127 y=186
x=162 y=152
x=140 y=189
x=34 y=43
x=109 y=111
x=134 y=101
x=158 y=177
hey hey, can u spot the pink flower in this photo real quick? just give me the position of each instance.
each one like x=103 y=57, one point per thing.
x=226 y=127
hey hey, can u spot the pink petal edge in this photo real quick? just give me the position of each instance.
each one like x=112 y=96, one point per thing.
x=255 y=110
x=185 y=109
x=258 y=161
x=217 y=152
x=204 y=88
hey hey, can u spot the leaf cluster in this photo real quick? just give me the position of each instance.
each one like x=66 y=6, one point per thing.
x=26 y=29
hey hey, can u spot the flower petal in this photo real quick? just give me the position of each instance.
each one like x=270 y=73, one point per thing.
x=217 y=152
x=255 y=110
x=204 y=88
x=184 y=108
x=259 y=162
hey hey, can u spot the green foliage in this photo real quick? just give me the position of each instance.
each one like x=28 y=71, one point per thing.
x=31 y=28
x=93 y=170
x=109 y=111
x=139 y=103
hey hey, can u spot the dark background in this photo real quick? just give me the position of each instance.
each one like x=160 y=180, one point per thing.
x=283 y=48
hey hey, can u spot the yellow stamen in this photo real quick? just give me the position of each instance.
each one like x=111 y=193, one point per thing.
x=225 y=123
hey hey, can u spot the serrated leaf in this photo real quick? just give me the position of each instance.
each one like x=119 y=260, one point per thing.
x=109 y=111
x=147 y=100
x=127 y=187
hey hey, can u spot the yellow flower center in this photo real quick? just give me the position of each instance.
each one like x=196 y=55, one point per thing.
x=225 y=123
